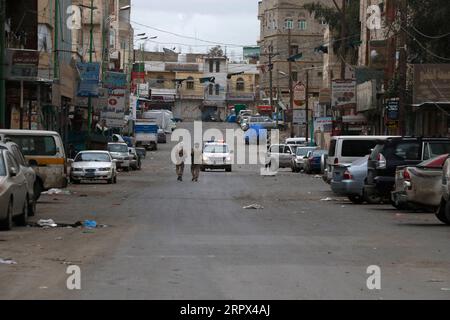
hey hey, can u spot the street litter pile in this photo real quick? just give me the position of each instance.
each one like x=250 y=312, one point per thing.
x=7 y=261
x=254 y=207
x=53 y=192
x=50 y=223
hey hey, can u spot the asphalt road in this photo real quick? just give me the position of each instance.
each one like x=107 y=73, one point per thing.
x=170 y=240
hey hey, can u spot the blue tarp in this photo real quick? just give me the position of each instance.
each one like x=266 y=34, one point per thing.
x=231 y=118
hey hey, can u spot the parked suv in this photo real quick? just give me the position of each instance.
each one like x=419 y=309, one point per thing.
x=395 y=152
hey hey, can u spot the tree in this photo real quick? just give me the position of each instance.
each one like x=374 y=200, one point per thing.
x=428 y=31
x=348 y=45
x=216 y=52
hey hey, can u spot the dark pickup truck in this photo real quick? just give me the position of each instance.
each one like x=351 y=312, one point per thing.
x=395 y=152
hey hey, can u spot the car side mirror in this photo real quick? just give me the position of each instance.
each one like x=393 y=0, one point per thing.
x=70 y=161
x=13 y=172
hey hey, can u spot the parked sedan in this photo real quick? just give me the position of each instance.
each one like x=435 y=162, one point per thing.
x=120 y=153
x=93 y=166
x=14 y=195
x=298 y=161
x=30 y=174
x=348 y=180
x=314 y=162
x=419 y=186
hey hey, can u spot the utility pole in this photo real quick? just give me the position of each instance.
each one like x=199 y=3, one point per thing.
x=56 y=40
x=2 y=65
x=343 y=38
x=291 y=84
x=307 y=107
x=271 y=78
x=91 y=46
x=402 y=67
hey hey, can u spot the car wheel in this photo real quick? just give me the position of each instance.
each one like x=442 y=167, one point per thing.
x=373 y=198
x=6 y=224
x=293 y=169
x=443 y=213
x=74 y=181
x=202 y=169
x=229 y=169
x=115 y=180
x=22 y=219
x=356 y=199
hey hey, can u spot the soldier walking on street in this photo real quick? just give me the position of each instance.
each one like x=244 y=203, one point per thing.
x=196 y=162
x=181 y=158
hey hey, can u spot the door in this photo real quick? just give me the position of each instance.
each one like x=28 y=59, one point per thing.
x=19 y=184
x=286 y=157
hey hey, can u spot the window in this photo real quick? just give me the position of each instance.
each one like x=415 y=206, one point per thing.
x=357 y=148
x=190 y=83
x=218 y=66
x=302 y=25
x=36 y=145
x=2 y=166
x=160 y=81
x=434 y=149
x=211 y=66
x=294 y=49
x=12 y=163
x=408 y=151
x=217 y=89
x=211 y=89
x=294 y=76
x=18 y=155
x=288 y=24
x=240 y=84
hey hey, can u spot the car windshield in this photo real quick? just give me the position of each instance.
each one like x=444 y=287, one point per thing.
x=2 y=166
x=92 y=157
x=216 y=149
x=302 y=152
x=118 y=148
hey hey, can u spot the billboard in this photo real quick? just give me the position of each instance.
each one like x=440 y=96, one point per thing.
x=431 y=83
x=343 y=94
x=89 y=78
x=22 y=65
x=115 y=80
x=252 y=52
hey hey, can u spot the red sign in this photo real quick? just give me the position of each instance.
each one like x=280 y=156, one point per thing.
x=137 y=75
x=299 y=94
x=264 y=108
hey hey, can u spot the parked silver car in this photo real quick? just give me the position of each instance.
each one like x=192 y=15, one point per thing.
x=281 y=154
x=93 y=166
x=348 y=180
x=419 y=186
x=14 y=197
x=443 y=212
x=135 y=162
x=119 y=152
x=30 y=174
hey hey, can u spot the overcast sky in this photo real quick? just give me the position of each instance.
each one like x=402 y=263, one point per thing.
x=228 y=21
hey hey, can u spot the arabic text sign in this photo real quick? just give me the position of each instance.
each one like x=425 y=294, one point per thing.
x=343 y=93
x=115 y=80
x=22 y=64
x=89 y=78
x=431 y=83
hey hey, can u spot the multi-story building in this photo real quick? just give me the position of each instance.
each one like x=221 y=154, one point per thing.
x=287 y=29
x=175 y=82
x=40 y=76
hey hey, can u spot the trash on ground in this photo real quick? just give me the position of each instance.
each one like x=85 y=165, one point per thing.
x=90 y=224
x=318 y=177
x=327 y=199
x=56 y=192
x=435 y=280
x=254 y=207
x=7 y=261
x=47 y=223
x=59 y=238
x=445 y=289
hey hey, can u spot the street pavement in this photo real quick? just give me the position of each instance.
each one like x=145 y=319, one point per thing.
x=181 y=240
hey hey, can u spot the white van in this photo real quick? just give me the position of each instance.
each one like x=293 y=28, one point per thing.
x=344 y=150
x=44 y=151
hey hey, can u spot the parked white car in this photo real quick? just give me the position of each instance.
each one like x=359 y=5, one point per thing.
x=93 y=166
x=28 y=171
x=14 y=197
